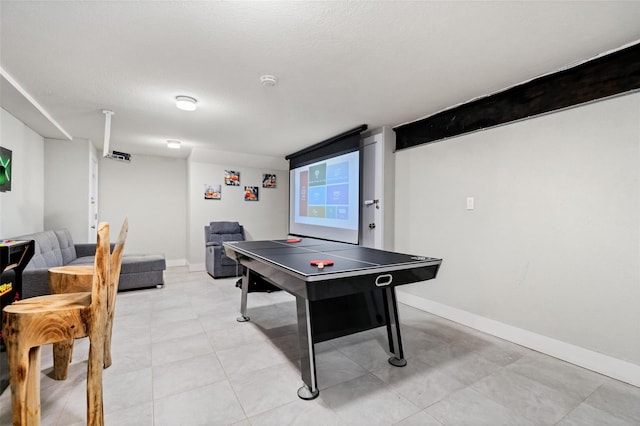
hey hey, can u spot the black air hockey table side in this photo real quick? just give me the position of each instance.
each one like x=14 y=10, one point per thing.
x=356 y=293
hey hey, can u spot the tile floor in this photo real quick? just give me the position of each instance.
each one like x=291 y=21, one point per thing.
x=180 y=358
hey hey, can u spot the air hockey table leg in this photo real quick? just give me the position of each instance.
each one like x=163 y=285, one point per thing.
x=393 y=329
x=307 y=351
x=243 y=298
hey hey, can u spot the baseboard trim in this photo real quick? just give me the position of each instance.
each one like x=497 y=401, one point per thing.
x=196 y=267
x=586 y=358
x=175 y=262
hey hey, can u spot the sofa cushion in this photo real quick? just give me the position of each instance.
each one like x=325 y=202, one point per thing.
x=47 y=251
x=225 y=228
x=132 y=263
x=83 y=260
x=67 y=248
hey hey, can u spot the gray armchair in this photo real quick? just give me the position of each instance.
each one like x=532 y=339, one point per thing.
x=217 y=263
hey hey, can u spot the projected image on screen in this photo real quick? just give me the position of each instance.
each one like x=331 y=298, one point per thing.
x=325 y=198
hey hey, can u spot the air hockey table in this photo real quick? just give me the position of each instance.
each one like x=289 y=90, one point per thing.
x=340 y=289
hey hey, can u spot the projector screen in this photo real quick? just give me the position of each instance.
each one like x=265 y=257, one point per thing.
x=325 y=198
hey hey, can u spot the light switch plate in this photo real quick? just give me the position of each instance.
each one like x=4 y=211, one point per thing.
x=470 y=203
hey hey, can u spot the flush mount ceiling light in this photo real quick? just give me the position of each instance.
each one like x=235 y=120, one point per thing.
x=269 y=80
x=186 y=103
x=173 y=144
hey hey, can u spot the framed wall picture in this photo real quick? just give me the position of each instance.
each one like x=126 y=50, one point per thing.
x=5 y=169
x=251 y=193
x=232 y=178
x=212 y=191
x=269 y=180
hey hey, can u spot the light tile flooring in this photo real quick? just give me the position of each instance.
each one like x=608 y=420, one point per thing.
x=180 y=358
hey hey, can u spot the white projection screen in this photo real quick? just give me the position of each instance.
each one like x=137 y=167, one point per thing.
x=324 y=189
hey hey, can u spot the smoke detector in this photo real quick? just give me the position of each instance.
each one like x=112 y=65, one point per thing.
x=268 y=80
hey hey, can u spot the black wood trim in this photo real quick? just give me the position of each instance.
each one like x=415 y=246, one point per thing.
x=602 y=77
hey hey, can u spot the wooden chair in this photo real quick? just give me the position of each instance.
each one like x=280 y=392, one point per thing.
x=30 y=323
x=71 y=279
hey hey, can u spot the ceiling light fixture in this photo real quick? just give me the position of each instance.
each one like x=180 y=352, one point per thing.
x=173 y=144
x=186 y=103
x=269 y=80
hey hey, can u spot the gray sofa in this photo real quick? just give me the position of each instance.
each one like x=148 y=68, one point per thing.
x=218 y=264
x=56 y=248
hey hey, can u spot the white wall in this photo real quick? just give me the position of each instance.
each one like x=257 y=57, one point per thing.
x=553 y=245
x=264 y=219
x=66 y=188
x=22 y=209
x=151 y=192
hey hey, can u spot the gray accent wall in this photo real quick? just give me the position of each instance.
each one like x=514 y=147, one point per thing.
x=552 y=246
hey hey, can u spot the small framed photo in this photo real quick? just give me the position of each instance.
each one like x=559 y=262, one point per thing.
x=232 y=178
x=5 y=169
x=251 y=193
x=212 y=191
x=268 y=180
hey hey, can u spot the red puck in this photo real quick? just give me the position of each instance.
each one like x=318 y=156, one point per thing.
x=321 y=262
x=294 y=240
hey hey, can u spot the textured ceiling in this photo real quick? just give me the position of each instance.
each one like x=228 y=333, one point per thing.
x=339 y=64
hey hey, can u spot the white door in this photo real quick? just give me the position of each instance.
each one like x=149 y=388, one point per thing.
x=93 y=198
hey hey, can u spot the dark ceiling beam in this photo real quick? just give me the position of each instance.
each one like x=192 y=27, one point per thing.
x=609 y=75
